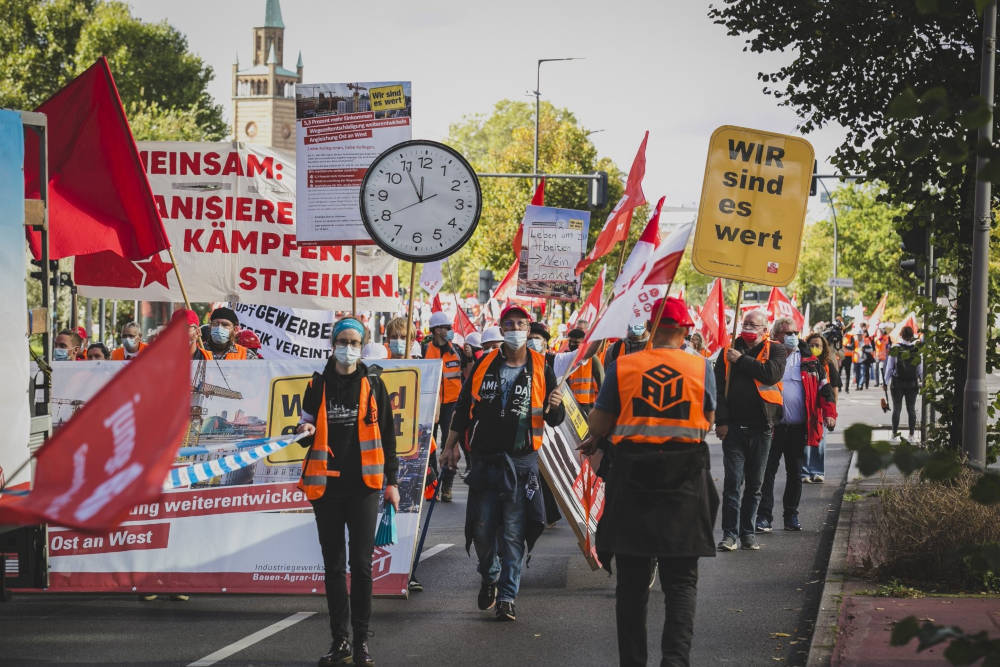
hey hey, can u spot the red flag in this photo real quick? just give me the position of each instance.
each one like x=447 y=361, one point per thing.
x=592 y=305
x=505 y=288
x=436 y=306
x=713 y=319
x=117 y=450
x=875 y=319
x=778 y=305
x=462 y=325
x=99 y=197
x=620 y=219
x=537 y=200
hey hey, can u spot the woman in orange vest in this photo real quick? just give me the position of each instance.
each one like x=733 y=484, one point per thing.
x=352 y=455
x=657 y=407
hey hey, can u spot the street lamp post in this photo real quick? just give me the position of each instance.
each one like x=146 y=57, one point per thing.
x=833 y=210
x=538 y=95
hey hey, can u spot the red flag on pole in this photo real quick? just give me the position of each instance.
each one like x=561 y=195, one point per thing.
x=713 y=319
x=436 y=306
x=592 y=305
x=778 y=305
x=620 y=219
x=462 y=325
x=537 y=200
x=99 y=197
x=116 y=452
x=875 y=319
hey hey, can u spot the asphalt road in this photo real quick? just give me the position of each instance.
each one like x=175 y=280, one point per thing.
x=754 y=608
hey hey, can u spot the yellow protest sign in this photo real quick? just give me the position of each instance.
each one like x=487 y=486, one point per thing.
x=387 y=97
x=753 y=206
x=285 y=409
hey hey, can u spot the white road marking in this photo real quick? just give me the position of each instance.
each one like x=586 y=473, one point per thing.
x=434 y=550
x=250 y=640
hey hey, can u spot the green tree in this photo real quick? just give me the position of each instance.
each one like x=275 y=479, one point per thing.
x=902 y=77
x=45 y=43
x=502 y=142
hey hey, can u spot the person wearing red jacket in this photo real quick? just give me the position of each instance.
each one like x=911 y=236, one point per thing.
x=808 y=405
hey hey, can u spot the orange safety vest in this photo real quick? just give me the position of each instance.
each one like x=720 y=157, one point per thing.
x=315 y=467
x=537 y=361
x=451 y=372
x=770 y=393
x=583 y=384
x=849 y=344
x=662 y=397
x=118 y=354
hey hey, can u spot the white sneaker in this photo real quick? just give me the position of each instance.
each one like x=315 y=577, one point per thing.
x=818 y=479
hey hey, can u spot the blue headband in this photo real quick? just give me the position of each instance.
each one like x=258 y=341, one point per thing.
x=348 y=323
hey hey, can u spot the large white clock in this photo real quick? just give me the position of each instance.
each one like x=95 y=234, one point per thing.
x=420 y=201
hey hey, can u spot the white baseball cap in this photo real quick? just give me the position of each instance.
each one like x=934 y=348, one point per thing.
x=492 y=335
x=439 y=319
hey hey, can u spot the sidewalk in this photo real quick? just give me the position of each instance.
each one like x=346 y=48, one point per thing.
x=854 y=629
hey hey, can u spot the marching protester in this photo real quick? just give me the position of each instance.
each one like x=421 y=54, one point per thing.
x=904 y=372
x=864 y=359
x=97 y=352
x=808 y=404
x=346 y=410
x=698 y=345
x=132 y=343
x=222 y=343
x=849 y=347
x=249 y=340
x=509 y=398
x=492 y=339
x=440 y=346
x=814 y=468
x=635 y=340
x=395 y=334
x=66 y=346
x=657 y=406
x=586 y=380
x=473 y=347
x=748 y=378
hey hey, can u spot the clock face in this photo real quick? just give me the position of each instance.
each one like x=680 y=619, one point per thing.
x=420 y=201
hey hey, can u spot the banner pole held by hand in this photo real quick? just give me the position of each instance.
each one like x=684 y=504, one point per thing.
x=736 y=320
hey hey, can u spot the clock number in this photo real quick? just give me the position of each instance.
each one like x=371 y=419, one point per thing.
x=459 y=204
x=399 y=228
x=417 y=237
x=451 y=223
x=425 y=162
x=437 y=234
x=386 y=215
x=455 y=185
x=394 y=177
x=383 y=195
x=444 y=170
x=407 y=165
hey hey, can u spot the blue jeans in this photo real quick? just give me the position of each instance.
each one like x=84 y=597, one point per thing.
x=814 y=459
x=498 y=536
x=744 y=457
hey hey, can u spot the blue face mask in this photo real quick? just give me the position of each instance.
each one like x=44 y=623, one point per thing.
x=397 y=346
x=450 y=336
x=220 y=335
x=60 y=354
x=791 y=341
x=637 y=330
x=536 y=344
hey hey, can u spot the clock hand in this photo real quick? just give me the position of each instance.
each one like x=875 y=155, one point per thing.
x=414 y=183
x=414 y=204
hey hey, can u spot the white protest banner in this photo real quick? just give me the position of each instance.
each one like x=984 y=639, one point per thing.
x=229 y=212
x=288 y=333
x=251 y=530
x=554 y=241
x=340 y=129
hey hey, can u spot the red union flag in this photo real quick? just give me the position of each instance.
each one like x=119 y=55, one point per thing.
x=117 y=450
x=462 y=325
x=778 y=305
x=713 y=319
x=620 y=219
x=592 y=306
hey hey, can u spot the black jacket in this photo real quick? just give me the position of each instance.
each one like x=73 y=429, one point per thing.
x=495 y=428
x=744 y=406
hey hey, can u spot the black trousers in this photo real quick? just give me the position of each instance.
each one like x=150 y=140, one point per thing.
x=900 y=394
x=358 y=513
x=788 y=442
x=845 y=366
x=679 y=580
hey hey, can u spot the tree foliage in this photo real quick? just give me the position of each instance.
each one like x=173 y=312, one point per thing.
x=902 y=77
x=45 y=43
x=503 y=142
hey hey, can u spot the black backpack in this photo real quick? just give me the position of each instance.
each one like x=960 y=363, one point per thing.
x=907 y=363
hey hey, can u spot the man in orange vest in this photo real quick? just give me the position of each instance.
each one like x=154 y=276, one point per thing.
x=352 y=455
x=850 y=346
x=222 y=343
x=748 y=378
x=509 y=397
x=657 y=406
x=131 y=345
x=586 y=380
x=440 y=346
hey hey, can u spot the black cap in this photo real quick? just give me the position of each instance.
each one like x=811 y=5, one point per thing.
x=224 y=313
x=576 y=333
x=539 y=328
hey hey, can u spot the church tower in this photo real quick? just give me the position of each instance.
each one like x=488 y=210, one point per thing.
x=264 y=93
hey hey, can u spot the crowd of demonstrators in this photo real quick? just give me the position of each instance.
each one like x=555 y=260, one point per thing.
x=904 y=372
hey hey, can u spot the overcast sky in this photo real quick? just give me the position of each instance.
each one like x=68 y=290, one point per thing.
x=661 y=66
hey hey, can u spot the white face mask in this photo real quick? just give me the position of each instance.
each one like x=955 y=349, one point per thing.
x=130 y=343
x=536 y=344
x=346 y=354
x=515 y=339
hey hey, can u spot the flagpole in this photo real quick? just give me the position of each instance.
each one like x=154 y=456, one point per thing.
x=354 y=281
x=180 y=281
x=736 y=319
x=409 y=310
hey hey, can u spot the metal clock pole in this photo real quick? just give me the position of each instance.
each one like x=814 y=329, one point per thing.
x=409 y=309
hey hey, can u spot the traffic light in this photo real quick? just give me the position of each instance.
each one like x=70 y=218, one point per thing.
x=485 y=285
x=599 y=189
x=812 y=183
x=915 y=242
x=915 y=266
